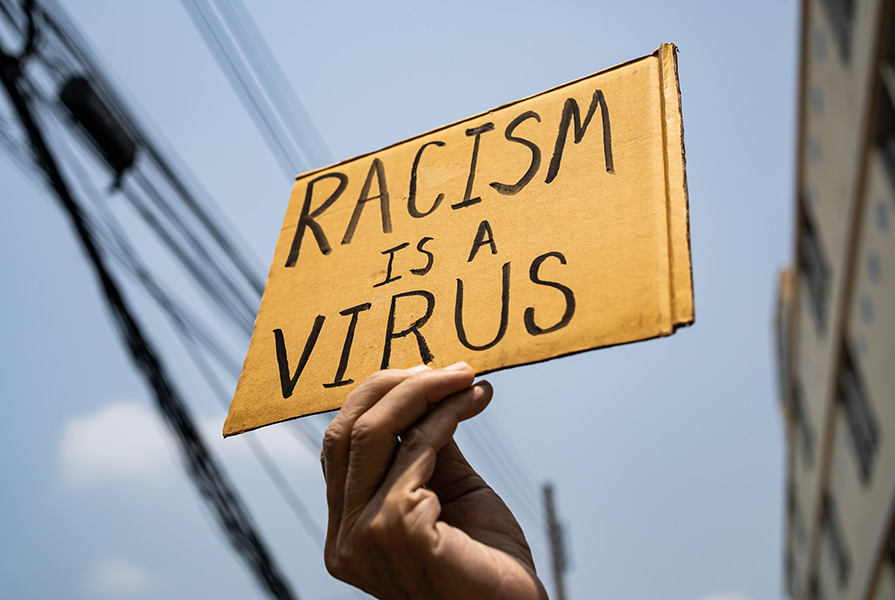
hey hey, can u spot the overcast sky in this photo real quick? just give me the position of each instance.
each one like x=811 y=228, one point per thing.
x=667 y=455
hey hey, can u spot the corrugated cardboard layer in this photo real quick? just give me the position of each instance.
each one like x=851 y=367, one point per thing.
x=552 y=225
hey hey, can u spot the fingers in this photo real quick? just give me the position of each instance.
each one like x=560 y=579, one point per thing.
x=374 y=435
x=415 y=463
x=334 y=452
x=386 y=535
x=336 y=440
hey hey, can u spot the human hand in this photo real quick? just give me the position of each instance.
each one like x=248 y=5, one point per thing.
x=411 y=518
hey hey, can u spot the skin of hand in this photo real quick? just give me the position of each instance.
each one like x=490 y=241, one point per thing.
x=409 y=517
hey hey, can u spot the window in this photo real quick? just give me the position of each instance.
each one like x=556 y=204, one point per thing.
x=855 y=403
x=835 y=543
x=813 y=266
x=842 y=20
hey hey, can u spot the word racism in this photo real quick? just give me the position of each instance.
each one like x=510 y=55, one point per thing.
x=549 y=226
x=377 y=171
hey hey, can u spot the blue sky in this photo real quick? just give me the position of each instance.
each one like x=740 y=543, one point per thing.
x=667 y=455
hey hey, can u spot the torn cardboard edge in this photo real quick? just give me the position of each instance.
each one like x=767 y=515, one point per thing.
x=682 y=306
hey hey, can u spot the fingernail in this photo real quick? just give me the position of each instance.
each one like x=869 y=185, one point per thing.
x=417 y=369
x=457 y=366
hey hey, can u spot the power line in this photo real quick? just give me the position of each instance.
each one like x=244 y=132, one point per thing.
x=154 y=166
x=258 y=80
x=210 y=257
x=194 y=336
x=231 y=64
x=241 y=534
x=210 y=480
x=73 y=45
x=509 y=468
x=287 y=103
x=274 y=473
x=499 y=468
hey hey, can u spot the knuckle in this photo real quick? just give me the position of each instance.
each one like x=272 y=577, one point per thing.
x=374 y=386
x=331 y=437
x=383 y=375
x=373 y=382
x=363 y=432
x=332 y=440
x=380 y=378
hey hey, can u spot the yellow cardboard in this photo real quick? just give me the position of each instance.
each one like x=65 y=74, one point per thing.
x=548 y=226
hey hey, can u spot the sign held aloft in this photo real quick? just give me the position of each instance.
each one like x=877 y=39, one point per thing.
x=549 y=226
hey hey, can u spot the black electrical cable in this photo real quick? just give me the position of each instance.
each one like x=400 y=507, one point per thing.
x=66 y=33
x=274 y=473
x=15 y=152
x=180 y=317
x=209 y=478
x=489 y=445
x=114 y=242
x=192 y=334
x=240 y=312
x=194 y=337
x=508 y=470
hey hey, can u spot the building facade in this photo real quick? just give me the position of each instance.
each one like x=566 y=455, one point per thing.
x=836 y=309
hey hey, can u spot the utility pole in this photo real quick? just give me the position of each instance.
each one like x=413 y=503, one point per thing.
x=557 y=543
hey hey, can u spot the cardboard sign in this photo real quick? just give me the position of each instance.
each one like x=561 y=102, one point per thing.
x=549 y=226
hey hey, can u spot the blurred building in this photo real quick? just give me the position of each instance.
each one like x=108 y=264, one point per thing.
x=836 y=309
